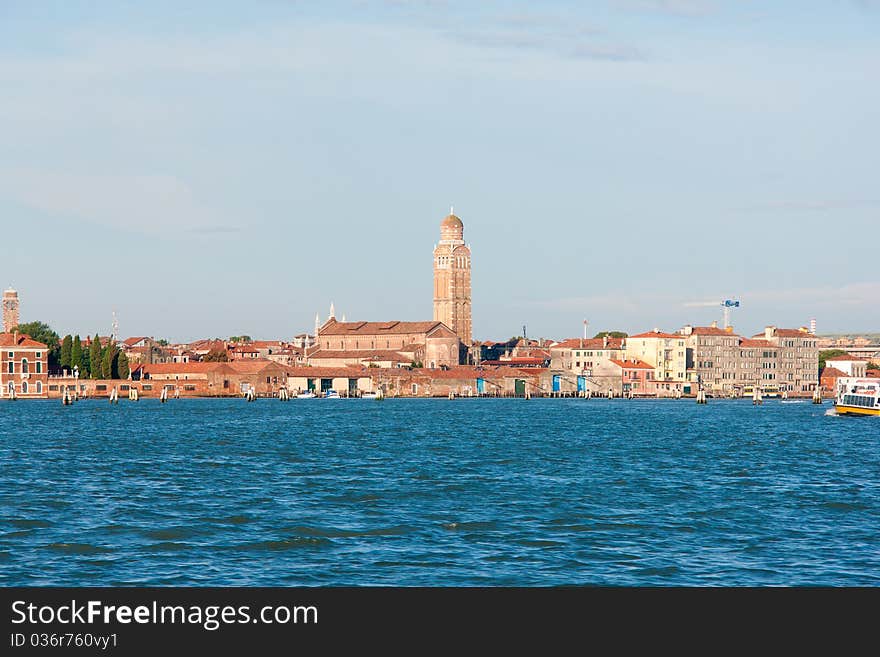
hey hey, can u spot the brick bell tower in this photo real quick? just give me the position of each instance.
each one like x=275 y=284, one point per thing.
x=452 y=279
x=10 y=310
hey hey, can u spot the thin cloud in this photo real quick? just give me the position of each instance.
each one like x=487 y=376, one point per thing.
x=150 y=204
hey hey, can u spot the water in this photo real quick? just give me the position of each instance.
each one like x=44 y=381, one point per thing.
x=437 y=492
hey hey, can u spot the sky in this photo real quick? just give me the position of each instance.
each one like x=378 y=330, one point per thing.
x=217 y=168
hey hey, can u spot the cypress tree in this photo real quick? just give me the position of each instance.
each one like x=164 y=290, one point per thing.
x=122 y=367
x=107 y=361
x=76 y=355
x=95 y=357
x=66 y=347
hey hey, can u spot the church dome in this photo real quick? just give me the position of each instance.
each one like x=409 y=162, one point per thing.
x=451 y=221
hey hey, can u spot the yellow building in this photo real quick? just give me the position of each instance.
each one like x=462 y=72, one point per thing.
x=666 y=352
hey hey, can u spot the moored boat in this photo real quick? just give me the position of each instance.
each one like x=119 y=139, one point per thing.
x=306 y=395
x=857 y=396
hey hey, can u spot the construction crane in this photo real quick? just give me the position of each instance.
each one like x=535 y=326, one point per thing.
x=726 y=305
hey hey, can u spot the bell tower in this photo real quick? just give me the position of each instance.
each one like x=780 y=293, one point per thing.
x=452 y=279
x=10 y=310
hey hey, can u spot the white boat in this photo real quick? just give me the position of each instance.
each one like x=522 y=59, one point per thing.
x=857 y=396
x=331 y=394
x=373 y=395
x=306 y=395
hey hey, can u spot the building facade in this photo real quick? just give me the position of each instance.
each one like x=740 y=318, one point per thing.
x=341 y=344
x=667 y=353
x=10 y=310
x=452 y=279
x=24 y=367
x=712 y=356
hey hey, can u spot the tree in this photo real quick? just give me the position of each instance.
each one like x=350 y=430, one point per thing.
x=76 y=356
x=215 y=356
x=42 y=332
x=107 y=358
x=122 y=367
x=240 y=338
x=162 y=343
x=95 y=357
x=611 y=334
x=66 y=347
x=873 y=366
x=829 y=353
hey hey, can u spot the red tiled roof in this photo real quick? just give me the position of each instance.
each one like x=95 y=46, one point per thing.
x=745 y=342
x=133 y=341
x=833 y=371
x=710 y=330
x=333 y=327
x=251 y=365
x=659 y=334
x=847 y=358
x=632 y=364
x=589 y=343
x=787 y=333
x=24 y=341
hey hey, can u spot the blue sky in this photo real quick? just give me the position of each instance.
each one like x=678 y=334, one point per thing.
x=217 y=168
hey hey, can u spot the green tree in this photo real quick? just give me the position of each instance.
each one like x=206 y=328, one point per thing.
x=611 y=334
x=66 y=347
x=873 y=366
x=240 y=338
x=215 y=356
x=42 y=332
x=107 y=358
x=829 y=353
x=122 y=367
x=76 y=355
x=95 y=358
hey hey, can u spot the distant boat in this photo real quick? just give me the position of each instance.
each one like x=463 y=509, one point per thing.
x=858 y=396
x=373 y=395
x=331 y=394
x=306 y=395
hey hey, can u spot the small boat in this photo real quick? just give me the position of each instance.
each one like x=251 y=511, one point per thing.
x=306 y=395
x=373 y=395
x=857 y=396
x=331 y=394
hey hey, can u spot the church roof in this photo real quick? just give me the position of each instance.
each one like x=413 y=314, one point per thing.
x=332 y=327
x=451 y=221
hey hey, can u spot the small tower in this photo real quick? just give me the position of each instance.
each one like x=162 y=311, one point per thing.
x=10 y=310
x=452 y=279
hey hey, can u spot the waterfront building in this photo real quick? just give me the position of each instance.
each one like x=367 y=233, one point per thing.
x=712 y=355
x=797 y=358
x=24 y=366
x=581 y=356
x=452 y=279
x=849 y=365
x=667 y=353
x=627 y=376
x=10 y=310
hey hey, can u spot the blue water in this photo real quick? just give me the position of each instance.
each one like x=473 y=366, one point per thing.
x=437 y=492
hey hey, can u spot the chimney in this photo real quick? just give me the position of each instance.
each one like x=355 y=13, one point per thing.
x=768 y=332
x=604 y=341
x=687 y=329
x=714 y=324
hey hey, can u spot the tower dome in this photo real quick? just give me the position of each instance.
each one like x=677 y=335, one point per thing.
x=451 y=228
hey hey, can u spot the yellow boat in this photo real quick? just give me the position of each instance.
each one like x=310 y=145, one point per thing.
x=857 y=396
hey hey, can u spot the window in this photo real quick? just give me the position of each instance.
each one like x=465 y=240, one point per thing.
x=39 y=367
x=24 y=387
x=24 y=366
x=11 y=367
x=39 y=387
x=39 y=354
